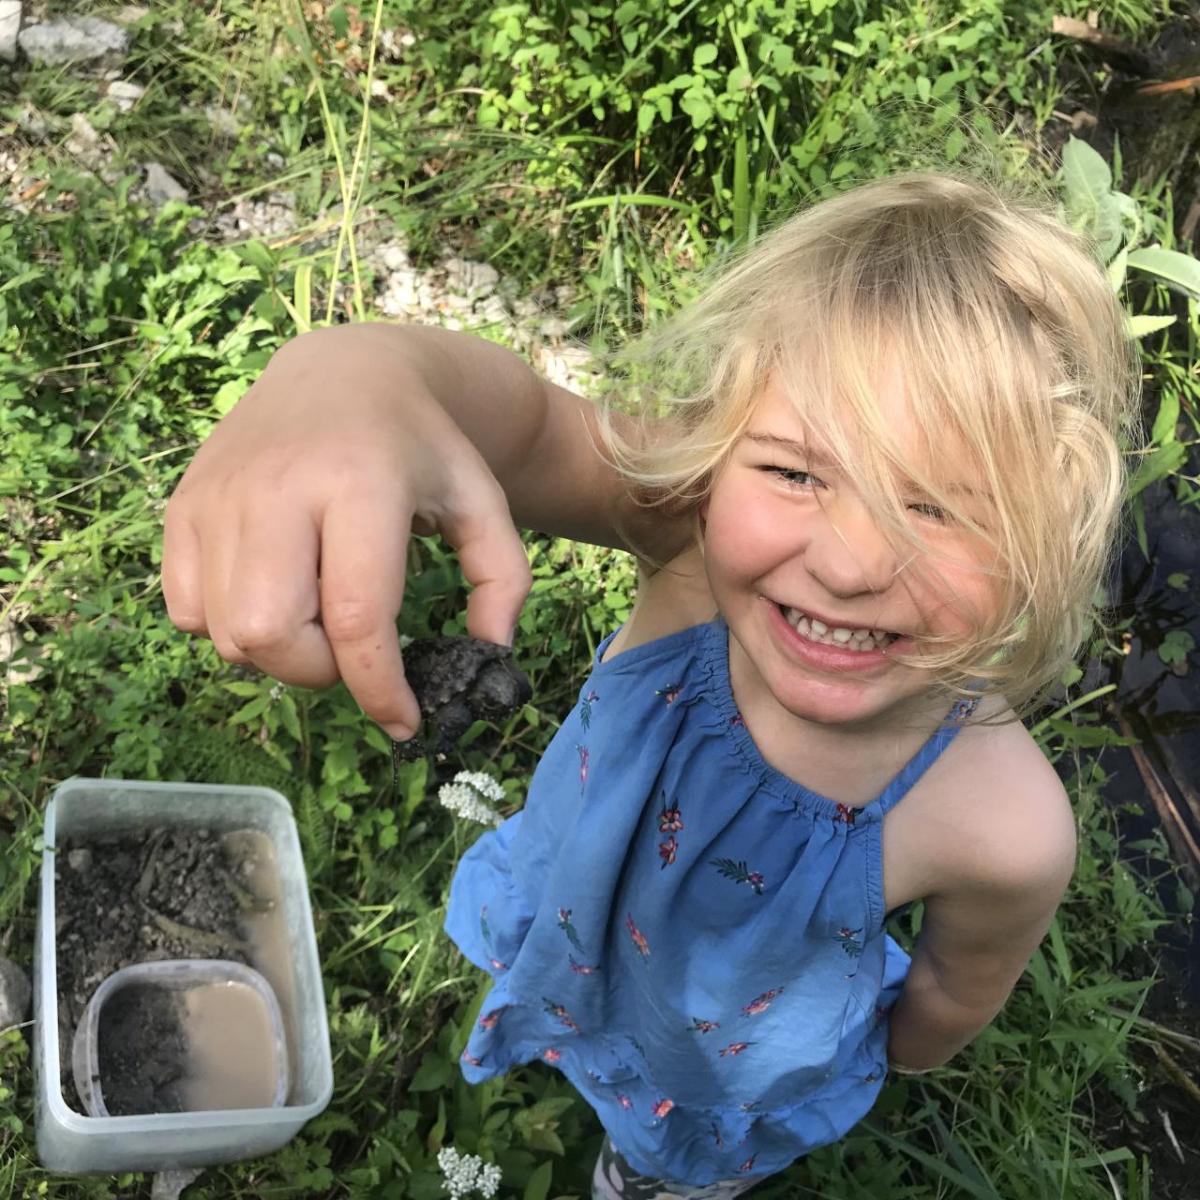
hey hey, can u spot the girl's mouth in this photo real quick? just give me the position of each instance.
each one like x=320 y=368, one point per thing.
x=852 y=638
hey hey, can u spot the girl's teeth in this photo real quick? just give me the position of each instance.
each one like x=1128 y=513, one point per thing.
x=850 y=639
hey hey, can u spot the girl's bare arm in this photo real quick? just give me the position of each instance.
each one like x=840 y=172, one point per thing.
x=979 y=932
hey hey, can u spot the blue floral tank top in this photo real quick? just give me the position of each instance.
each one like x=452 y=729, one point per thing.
x=693 y=938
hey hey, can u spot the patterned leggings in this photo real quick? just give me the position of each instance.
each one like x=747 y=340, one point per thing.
x=614 y=1179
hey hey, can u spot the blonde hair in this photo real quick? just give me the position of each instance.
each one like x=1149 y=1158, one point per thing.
x=1013 y=351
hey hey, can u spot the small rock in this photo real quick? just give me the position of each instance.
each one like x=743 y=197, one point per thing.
x=79 y=859
x=131 y=13
x=73 y=40
x=493 y=311
x=474 y=280
x=394 y=256
x=31 y=121
x=15 y=993
x=571 y=367
x=10 y=27
x=168 y=1184
x=162 y=186
x=125 y=94
x=223 y=121
x=84 y=142
x=553 y=327
x=402 y=293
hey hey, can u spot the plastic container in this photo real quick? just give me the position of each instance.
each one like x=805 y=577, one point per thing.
x=182 y=975
x=71 y=1142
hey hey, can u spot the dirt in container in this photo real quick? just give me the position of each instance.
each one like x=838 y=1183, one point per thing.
x=159 y=894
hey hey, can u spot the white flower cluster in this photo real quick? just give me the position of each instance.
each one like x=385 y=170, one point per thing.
x=465 y=1173
x=466 y=797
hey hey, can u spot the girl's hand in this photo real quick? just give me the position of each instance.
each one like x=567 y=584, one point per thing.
x=285 y=541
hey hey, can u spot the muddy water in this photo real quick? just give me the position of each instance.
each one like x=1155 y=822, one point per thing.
x=264 y=928
x=231 y=1053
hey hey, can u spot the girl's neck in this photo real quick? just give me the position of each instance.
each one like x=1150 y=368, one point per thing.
x=818 y=756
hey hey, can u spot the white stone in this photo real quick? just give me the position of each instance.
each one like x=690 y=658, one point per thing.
x=222 y=121
x=471 y=279
x=15 y=993
x=73 y=40
x=569 y=366
x=31 y=121
x=10 y=27
x=493 y=311
x=401 y=293
x=553 y=327
x=394 y=256
x=92 y=149
x=162 y=186
x=168 y=1185
x=125 y=94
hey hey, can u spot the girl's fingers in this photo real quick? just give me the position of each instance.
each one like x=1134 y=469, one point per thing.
x=273 y=604
x=182 y=572
x=217 y=555
x=493 y=560
x=364 y=539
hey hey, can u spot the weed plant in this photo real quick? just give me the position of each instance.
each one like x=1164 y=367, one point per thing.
x=618 y=147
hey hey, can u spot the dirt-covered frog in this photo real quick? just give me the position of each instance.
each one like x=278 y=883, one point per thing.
x=459 y=680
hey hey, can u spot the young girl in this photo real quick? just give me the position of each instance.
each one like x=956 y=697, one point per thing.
x=869 y=520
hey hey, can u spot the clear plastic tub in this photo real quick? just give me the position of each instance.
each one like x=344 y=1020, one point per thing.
x=71 y=1142
x=182 y=975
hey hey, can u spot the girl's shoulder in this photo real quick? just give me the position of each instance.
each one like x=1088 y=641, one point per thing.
x=673 y=598
x=1007 y=806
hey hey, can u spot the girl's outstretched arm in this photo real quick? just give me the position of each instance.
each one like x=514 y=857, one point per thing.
x=285 y=540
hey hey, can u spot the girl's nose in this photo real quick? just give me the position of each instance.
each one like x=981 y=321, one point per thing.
x=849 y=555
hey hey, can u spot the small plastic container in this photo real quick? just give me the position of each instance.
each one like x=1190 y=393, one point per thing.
x=181 y=975
x=69 y=1141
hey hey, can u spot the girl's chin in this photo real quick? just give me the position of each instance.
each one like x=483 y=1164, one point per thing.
x=833 y=703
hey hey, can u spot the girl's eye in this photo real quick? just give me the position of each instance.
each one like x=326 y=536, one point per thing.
x=931 y=511
x=795 y=478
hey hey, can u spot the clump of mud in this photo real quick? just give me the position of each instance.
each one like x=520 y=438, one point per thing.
x=142 y=897
x=457 y=681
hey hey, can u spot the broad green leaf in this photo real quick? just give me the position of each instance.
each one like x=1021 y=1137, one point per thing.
x=538 y=1187
x=1166 y=420
x=1176 y=646
x=1143 y=326
x=705 y=53
x=435 y=1072
x=1116 y=276
x=1157 y=465
x=1086 y=176
x=229 y=393
x=1174 y=269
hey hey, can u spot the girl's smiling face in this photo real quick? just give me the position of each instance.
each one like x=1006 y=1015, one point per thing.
x=823 y=606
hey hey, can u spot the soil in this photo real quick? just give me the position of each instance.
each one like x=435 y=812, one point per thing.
x=142 y=1051
x=457 y=681
x=1158 y=124
x=141 y=897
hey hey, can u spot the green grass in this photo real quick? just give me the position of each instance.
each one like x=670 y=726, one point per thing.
x=122 y=337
